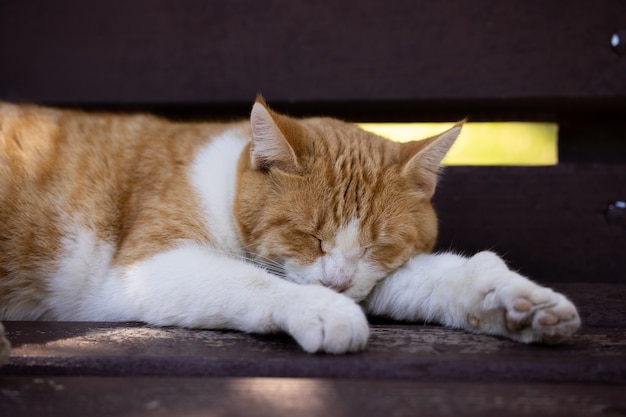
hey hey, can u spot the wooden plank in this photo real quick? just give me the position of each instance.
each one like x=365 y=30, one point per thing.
x=548 y=222
x=502 y=52
x=75 y=396
x=396 y=351
x=596 y=143
x=401 y=352
x=599 y=305
x=74 y=369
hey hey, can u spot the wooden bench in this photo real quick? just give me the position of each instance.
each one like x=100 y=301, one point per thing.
x=363 y=60
x=116 y=369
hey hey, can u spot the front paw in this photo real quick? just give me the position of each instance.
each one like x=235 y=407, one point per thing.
x=520 y=309
x=539 y=315
x=323 y=321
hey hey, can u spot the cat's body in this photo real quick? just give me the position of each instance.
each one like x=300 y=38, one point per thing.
x=275 y=224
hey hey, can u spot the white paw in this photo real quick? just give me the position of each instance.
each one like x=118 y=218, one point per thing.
x=520 y=309
x=323 y=321
x=540 y=315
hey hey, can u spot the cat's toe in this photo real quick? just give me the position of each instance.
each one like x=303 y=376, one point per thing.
x=330 y=323
x=333 y=335
x=551 y=318
x=548 y=319
x=556 y=323
x=518 y=314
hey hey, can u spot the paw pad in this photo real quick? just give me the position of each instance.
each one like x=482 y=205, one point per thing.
x=473 y=321
x=522 y=305
x=549 y=319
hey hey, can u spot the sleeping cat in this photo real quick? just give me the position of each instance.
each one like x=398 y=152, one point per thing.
x=273 y=224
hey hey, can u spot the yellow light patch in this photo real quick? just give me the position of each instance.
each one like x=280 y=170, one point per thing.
x=502 y=143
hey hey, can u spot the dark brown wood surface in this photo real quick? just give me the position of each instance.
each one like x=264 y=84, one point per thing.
x=395 y=351
x=271 y=397
x=554 y=55
x=549 y=222
x=121 y=369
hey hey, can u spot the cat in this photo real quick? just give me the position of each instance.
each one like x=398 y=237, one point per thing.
x=272 y=224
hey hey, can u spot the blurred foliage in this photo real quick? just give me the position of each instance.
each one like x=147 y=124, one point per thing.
x=505 y=143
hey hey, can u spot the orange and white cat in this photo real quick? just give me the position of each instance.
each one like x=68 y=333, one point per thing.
x=272 y=224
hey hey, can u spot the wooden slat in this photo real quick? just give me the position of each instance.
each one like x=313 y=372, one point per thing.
x=592 y=143
x=121 y=369
x=416 y=352
x=251 y=397
x=548 y=222
x=403 y=352
x=504 y=52
x=600 y=305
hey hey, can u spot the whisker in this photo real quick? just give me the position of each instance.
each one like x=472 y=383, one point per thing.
x=270 y=265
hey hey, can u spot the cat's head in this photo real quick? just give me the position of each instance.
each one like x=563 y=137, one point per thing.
x=333 y=204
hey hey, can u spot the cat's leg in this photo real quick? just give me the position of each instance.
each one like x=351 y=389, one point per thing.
x=195 y=287
x=479 y=294
x=5 y=347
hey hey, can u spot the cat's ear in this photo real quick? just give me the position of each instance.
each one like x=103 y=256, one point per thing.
x=423 y=166
x=273 y=138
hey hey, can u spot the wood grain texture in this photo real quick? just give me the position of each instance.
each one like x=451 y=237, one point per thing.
x=402 y=352
x=122 y=369
x=252 y=397
x=399 y=351
x=548 y=222
x=143 y=51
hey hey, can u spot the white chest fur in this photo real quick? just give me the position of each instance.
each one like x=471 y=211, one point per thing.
x=213 y=176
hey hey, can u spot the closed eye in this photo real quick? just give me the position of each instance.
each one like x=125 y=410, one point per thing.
x=320 y=243
x=311 y=239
